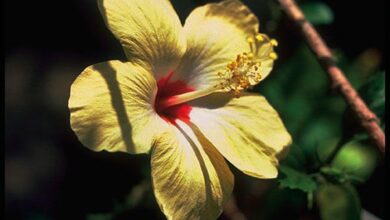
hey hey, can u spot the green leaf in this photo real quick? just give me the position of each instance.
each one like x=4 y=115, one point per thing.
x=357 y=159
x=319 y=133
x=326 y=148
x=317 y=13
x=338 y=202
x=373 y=93
x=295 y=158
x=295 y=179
x=337 y=175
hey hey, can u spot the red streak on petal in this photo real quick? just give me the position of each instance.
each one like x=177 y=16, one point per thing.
x=167 y=89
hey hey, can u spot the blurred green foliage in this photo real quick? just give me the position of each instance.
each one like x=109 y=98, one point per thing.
x=373 y=93
x=327 y=156
x=317 y=12
x=356 y=159
x=301 y=93
x=299 y=90
x=338 y=202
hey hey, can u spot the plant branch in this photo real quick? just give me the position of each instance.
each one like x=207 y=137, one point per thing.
x=367 y=119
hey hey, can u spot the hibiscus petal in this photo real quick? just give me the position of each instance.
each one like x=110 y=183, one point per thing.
x=247 y=131
x=216 y=33
x=111 y=107
x=191 y=179
x=149 y=31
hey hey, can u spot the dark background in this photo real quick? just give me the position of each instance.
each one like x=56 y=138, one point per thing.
x=48 y=173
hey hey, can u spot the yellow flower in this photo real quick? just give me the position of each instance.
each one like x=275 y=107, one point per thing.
x=176 y=98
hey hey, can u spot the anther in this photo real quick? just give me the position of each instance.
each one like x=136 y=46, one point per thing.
x=245 y=71
x=273 y=56
x=274 y=42
x=241 y=74
x=259 y=38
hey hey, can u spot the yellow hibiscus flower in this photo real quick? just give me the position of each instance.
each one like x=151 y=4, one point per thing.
x=176 y=98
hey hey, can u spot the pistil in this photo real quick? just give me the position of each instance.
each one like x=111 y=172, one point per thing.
x=240 y=74
x=186 y=97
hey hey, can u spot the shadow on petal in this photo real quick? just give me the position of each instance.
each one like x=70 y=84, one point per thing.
x=109 y=75
x=207 y=180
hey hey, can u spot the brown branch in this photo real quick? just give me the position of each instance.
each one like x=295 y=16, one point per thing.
x=367 y=119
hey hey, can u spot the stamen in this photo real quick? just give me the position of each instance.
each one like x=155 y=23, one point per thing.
x=242 y=73
x=250 y=40
x=273 y=56
x=251 y=44
x=274 y=42
x=245 y=71
x=259 y=38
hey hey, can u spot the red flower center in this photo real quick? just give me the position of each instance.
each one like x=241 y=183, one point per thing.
x=167 y=89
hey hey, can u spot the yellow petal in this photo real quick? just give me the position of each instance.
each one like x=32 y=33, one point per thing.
x=247 y=131
x=111 y=107
x=149 y=31
x=191 y=179
x=216 y=33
